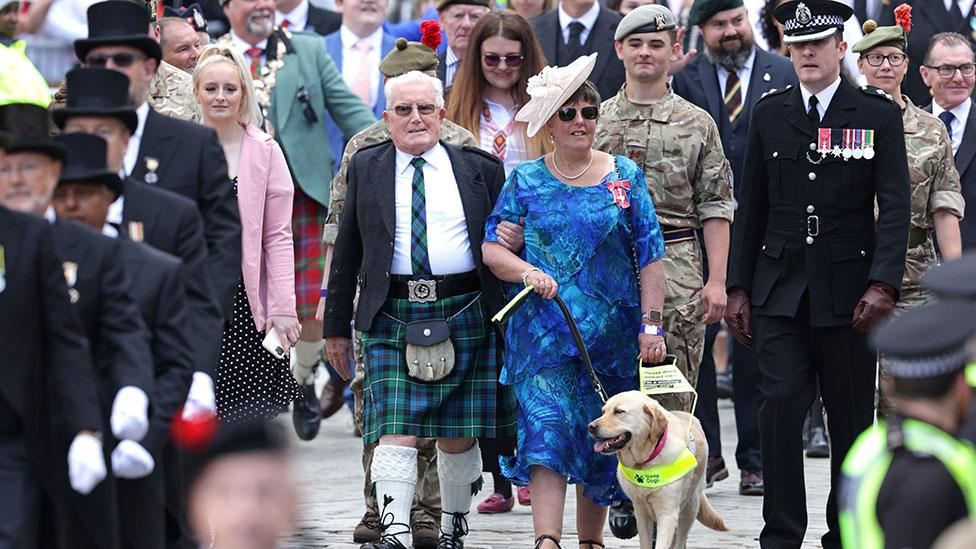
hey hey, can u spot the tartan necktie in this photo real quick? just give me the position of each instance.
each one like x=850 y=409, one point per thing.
x=419 y=259
x=255 y=54
x=733 y=96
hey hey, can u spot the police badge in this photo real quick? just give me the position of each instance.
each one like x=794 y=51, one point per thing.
x=803 y=15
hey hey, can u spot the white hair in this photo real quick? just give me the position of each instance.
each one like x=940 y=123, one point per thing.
x=414 y=77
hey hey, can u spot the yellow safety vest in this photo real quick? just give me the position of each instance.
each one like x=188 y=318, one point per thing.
x=20 y=82
x=661 y=475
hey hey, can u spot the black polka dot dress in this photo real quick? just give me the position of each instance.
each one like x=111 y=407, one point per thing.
x=251 y=382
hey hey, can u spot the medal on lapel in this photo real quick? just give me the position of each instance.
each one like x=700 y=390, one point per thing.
x=152 y=164
x=136 y=231
x=70 y=269
x=619 y=190
x=848 y=144
x=868 y=144
x=858 y=143
x=3 y=271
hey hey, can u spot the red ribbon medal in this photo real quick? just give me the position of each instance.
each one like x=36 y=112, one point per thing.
x=619 y=190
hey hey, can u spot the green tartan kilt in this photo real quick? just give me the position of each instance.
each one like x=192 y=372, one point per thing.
x=469 y=402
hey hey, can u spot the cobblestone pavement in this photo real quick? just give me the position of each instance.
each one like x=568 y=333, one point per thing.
x=329 y=474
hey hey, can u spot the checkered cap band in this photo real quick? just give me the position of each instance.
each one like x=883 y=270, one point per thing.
x=817 y=21
x=931 y=366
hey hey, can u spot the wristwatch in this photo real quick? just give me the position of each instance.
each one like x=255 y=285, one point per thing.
x=651 y=316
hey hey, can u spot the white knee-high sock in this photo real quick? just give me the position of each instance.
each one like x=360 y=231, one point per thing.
x=307 y=354
x=394 y=473
x=457 y=473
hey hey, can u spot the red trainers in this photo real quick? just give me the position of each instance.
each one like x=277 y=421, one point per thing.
x=524 y=495
x=496 y=503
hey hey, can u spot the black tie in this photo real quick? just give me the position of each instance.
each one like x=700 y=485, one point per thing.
x=955 y=12
x=946 y=117
x=812 y=115
x=575 y=44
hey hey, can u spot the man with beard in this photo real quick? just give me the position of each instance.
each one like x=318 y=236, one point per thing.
x=689 y=183
x=296 y=83
x=727 y=81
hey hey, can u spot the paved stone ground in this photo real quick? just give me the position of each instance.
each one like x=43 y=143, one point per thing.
x=329 y=474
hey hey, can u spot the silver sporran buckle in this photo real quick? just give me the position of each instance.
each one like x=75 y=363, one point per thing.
x=422 y=291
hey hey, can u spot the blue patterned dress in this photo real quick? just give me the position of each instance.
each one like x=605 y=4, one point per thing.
x=582 y=237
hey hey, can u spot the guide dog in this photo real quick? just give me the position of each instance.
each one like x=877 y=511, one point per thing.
x=644 y=435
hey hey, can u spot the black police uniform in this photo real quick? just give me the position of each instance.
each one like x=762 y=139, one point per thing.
x=805 y=247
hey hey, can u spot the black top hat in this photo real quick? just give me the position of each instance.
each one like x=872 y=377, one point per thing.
x=28 y=130
x=809 y=20
x=118 y=22
x=87 y=161
x=95 y=91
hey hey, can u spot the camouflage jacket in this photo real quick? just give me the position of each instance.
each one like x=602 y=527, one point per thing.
x=935 y=181
x=171 y=93
x=377 y=133
x=678 y=146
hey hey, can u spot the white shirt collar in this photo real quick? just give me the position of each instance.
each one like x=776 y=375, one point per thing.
x=110 y=231
x=746 y=67
x=450 y=58
x=243 y=46
x=823 y=97
x=142 y=112
x=115 y=211
x=50 y=214
x=588 y=19
x=349 y=38
x=297 y=18
x=436 y=158
x=960 y=111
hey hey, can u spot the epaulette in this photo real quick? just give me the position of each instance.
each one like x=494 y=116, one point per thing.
x=876 y=92
x=485 y=154
x=775 y=91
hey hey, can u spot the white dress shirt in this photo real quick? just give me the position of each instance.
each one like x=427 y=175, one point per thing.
x=448 y=244
x=961 y=114
x=823 y=98
x=745 y=73
x=132 y=152
x=965 y=6
x=242 y=47
x=350 y=70
x=452 y=63
x=297 y=18
x=588 y=19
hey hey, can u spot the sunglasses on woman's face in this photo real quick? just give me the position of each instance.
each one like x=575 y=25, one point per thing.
x=493 y=59
x=568 y=114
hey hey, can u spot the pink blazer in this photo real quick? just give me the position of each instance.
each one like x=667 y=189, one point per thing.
x=265 y=194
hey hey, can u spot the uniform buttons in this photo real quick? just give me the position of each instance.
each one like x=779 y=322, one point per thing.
x=809 y=240
x=863 y=253
x=764 y=247
x=810 y=209
x=811 y=176
x=387 y=275
x=775 y=154
x=813 y=146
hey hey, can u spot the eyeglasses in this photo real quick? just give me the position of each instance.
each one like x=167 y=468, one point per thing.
x=948 y=71
x=121 y=59
x=568 y=114
x=493 y=59
x=406 y=110
x=894 y=59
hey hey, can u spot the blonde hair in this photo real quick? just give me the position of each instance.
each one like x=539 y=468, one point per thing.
x=213 y=54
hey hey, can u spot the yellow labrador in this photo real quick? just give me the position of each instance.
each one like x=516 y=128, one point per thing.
x=645 y=435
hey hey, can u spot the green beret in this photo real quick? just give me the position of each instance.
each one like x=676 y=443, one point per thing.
x=703 y=10
x=406 y=57
x=875 y=36
x=647 y=18
x=443 y=4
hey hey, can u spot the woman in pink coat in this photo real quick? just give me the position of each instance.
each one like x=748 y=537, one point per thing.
x=251 y=381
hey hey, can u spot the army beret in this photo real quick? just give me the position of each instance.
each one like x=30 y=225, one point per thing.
x=406 y=57
x=703 y=10
x=930 y=341
x=875 y=36
x=953 y=280
x=444 y=4
x=647 y=18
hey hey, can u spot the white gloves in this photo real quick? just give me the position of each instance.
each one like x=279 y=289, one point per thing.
x=200 y=399
x=130 y=413
x=303 y=374
x=130 y=460
x=86 y=464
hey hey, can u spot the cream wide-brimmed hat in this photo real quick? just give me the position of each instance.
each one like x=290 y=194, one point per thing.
x=550 y=89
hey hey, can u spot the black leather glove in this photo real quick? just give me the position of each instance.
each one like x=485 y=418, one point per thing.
x=738 y=316
x=873 y=307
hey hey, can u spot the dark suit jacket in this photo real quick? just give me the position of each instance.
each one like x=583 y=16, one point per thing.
x=781 y=187
x=929 y=17
x=322 y=21
x=442 y=67
x=190 y=162
x=364 y=246
x=171 y=223
x=608 y=73
x=966 y=167
x=699 y=83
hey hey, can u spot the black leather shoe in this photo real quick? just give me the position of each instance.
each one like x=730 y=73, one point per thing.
x=623 y=524
x=306 y=414
x=715 y=471
x=751 y=484
x=817 y=446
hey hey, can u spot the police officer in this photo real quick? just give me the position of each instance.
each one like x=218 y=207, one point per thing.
x=809 y=258
x=907 y=480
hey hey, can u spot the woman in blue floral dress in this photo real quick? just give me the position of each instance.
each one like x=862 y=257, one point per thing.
x=590 y=227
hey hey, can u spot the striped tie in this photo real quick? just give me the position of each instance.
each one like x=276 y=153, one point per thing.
x=733 y=96
x=419 y=260
x=255 y=54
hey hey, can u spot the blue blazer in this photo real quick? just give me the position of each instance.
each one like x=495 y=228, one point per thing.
x=698 y=83
x=337 y=141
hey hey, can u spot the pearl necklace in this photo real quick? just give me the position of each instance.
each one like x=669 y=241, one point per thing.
x=572 y=177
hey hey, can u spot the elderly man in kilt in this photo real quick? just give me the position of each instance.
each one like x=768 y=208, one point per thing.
x=425 y=299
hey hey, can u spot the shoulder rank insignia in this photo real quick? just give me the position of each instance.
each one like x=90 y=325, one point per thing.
x=874 y=91
x=775 y=91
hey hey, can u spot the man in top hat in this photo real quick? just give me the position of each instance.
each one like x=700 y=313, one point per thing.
x=812 y=269
x=48 y=399
x=908 y=479
x=85 y=192
x=296 y=82
x=100 y=290
x=458 y=18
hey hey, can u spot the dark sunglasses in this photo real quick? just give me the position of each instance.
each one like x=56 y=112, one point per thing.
x=568 y=114
x=121 y=59
x=406 y=110
x=493 y=59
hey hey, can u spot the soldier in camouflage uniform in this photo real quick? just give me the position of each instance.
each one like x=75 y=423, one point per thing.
x=937 y=202
x=171 y=93
x=679 y=147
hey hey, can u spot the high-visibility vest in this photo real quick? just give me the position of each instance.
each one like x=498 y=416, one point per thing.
x=866 y=465
x=20 y=81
